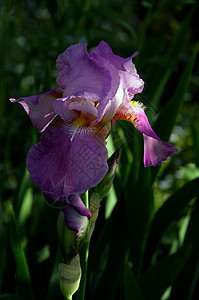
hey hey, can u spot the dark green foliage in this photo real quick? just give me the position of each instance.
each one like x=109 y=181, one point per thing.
x=146 y=242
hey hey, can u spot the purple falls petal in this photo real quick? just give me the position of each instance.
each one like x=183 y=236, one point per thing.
x=40 y=108
x=67 y=160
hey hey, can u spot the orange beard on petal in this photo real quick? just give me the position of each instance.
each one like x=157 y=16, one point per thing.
x=126 y=117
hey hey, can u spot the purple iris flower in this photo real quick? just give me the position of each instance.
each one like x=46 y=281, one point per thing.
x=93 y=90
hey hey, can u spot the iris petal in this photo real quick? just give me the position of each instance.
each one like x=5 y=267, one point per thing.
x=68 y=159
x=76 y=213
x=73 y=219
x=155 y=150
x=83 y=76
x=129 y=81
x=40 y=108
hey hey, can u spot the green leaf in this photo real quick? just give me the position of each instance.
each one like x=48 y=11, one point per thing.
x=187 y=282
x=116 y=17
x=24 y=287
x=170 y=211
x=53 y=288
x=107 y=258
x=169 y=61
x=158 y=278
x=22 y=190
x=195 y=138
x=131 y=286
x=168 y=115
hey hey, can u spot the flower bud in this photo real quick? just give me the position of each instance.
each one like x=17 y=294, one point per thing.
x=98 y=192
x=71 y=240
x=70 y=277
x=105 y=184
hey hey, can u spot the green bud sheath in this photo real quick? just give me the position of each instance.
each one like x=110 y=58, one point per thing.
x=105 y=184
x=70 y=277
x=70 y=241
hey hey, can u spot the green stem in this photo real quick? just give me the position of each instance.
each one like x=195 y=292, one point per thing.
x=68 y=298
x=84 y=265
x=84 y=252
x=85 y=199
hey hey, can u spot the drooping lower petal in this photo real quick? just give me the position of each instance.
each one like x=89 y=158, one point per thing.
x=69 y=159
x=155 y=150
x=39 y=108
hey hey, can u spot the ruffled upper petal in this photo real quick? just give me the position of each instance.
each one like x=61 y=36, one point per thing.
x=98 y=76
x=69 y=159
x=40 y=108
x=130 y=82
x=123 y=64
x=82 y=76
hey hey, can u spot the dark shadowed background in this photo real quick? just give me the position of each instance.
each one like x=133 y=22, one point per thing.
x=146 y=240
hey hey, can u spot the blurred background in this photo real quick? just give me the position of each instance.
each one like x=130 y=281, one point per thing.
x=146 y=241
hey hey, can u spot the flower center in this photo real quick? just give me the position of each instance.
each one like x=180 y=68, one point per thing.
x=86 y=108
x=81 y=121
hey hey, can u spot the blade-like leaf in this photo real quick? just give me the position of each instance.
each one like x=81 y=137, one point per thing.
x=107 y=259
x=139 y=210
x=167 y=117
x=195 y=137
x=158 y=278
x=116 y=18
x=24 y=287
x=188 y=280
x=131 y=286
x=170 y=211
x=3 y=247
x=169 y=62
